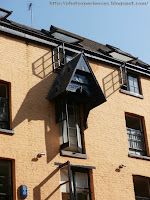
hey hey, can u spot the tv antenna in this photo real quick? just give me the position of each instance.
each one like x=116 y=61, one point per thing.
x=31 y=8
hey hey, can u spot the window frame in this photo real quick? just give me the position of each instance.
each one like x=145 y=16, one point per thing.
x=80 y=170
x=72 y=169
x=62 y=118
x=143 y=135
x=124 y=83
x=11 y=178
x=8 y=99
x=147 y=179
x=129 y=74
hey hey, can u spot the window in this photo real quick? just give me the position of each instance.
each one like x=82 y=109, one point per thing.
x=70 y=125
x=141 y=187
x=129 y=82
x=135 y=135
x=133 y=84
x=80 y=184
x=6 y=180
x=4 y=106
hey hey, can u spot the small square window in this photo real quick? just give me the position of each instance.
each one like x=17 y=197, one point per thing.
x=135 y=133
x=4 y=106
x=6 y=180
x=130 y=82
x=141 y=188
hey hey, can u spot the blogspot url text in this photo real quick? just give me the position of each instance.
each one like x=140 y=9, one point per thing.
x=94 y=3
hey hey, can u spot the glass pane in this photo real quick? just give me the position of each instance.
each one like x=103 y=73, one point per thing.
x=141 y=186
x=136 y=82
x=131 y=88
x=130 y=79
x=3 y=110
x=68 y=58
x=82 y=186
x=137 y=90
x=81 y=180
x=61 y=133
x=72 y=137
x=71 y=115
x=71 y=121
x=64 y=188
x=79 y=136
x=3 y=90
x=65 y=135
x=134 y=123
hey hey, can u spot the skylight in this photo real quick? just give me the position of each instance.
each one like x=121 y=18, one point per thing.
x=120 y=56
x=64 y=37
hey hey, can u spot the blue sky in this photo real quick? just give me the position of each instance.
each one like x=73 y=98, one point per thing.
x=126 y=27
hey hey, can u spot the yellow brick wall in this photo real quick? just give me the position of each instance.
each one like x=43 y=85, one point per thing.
x=28 y=67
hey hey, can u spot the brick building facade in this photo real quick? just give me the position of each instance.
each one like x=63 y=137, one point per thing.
x=74 y=118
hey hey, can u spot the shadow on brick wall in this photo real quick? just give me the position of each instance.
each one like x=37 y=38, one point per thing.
x=34 y=110
x=37 y=189
x=43 y=66
x=111 y=83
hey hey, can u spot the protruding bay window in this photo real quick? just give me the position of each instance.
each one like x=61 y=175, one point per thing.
x=68 y=117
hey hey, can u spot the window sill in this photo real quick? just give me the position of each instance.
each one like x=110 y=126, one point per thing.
x=73 y=154
x=138 y=156
x=132 y=94
x=7 y=131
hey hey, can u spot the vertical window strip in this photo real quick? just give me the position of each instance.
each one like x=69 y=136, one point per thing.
x=4 y=106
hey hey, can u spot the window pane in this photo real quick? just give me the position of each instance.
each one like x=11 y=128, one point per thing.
x=137 y=90
x=65 y=133
x=65 y=189
x=141 y=186
x=135 y=82
x=3 y=110
x=3 y=90
x=130 y=81
x=68 y=58
x=4 y=103
x=72 y=137
x=79 y=137
x=81 y=180
x=131 y=89
x=82 y=186
x=71 y=115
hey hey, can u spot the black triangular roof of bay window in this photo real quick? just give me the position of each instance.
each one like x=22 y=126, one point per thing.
x=77 y=81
